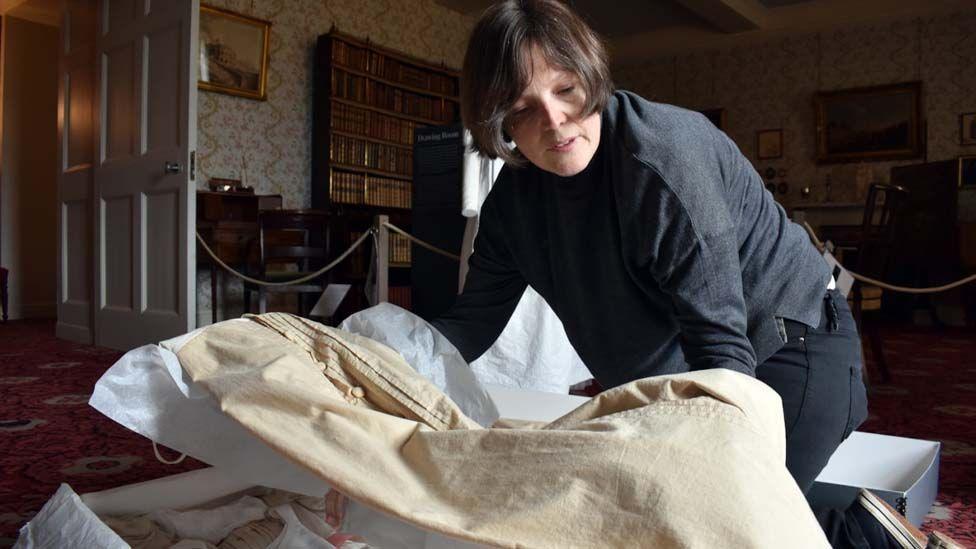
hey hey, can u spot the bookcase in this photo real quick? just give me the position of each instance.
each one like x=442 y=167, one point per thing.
x=368 y=102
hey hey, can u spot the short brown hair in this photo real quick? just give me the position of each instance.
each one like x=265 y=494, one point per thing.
x=497 y=65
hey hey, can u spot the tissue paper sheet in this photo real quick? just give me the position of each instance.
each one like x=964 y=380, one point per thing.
x=532 y=352
x=429 y=352
x=65 y=521
x=145 y=391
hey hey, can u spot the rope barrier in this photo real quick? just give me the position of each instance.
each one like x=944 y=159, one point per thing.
x=372 y=232
x=820 y=245
x=305 y=278
x=421 y=243
x=895 y=288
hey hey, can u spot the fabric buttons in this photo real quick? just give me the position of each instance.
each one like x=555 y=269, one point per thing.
x=355 y=393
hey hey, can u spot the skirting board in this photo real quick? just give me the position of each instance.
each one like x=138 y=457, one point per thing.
x=73 y=332
x=36 y=310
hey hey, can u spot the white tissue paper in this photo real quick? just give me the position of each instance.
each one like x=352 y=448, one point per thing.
x=147 y=391
x=429 y=352
x=532 y=352
x=211 y=525
x=65 y=521
x=296 y=535
x=68 y=520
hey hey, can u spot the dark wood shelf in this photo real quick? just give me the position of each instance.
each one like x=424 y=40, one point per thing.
x=444 y=70
x=368 y=206
x=374 y=171
x=371 y=139
x=394 y=84
x=358 y=67
x=388 y=112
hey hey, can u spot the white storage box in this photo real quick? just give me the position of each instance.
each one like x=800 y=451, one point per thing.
x=902 y=471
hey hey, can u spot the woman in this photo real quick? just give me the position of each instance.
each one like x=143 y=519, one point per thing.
x=648 y=233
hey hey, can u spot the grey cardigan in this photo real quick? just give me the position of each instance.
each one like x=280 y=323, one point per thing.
x=666 y=254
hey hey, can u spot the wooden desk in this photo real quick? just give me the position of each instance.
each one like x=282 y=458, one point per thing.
x=228 y=222
x=818 y=215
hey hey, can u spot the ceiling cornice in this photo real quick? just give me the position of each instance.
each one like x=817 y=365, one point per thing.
x=729 y=15
x=780 y=22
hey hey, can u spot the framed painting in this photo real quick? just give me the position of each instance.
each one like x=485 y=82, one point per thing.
x=769 y=144
x=967 y=128
x=233 y=53
x=875 y=123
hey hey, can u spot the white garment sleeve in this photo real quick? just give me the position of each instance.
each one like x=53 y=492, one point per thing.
x=477 y=176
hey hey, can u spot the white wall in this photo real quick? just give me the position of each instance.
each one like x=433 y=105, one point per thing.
x=28 y=167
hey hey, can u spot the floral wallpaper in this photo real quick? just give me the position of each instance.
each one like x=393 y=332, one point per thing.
x=771 y=85
x=273 y=138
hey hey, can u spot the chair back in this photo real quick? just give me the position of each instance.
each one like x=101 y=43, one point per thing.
x=297 y=237
x=882 y=209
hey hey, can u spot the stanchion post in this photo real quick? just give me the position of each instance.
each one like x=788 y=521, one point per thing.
x=382 y=259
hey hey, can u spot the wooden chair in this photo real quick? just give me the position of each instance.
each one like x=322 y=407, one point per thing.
x=291 y=244
x=3 y=293
x=874 y=251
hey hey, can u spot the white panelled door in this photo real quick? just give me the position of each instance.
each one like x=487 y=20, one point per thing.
x=76 y=149
x=145 y=120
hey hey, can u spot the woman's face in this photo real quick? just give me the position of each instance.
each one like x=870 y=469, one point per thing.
x=545 y=121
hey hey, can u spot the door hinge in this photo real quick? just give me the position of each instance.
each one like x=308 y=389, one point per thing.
x=193 y=165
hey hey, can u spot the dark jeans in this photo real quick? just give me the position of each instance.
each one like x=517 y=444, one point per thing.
x=817 y=373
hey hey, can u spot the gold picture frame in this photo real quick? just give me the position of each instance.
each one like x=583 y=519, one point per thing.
x=871 y=123
x=233 y=53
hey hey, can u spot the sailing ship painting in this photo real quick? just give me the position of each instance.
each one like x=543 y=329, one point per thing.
x=233 y=53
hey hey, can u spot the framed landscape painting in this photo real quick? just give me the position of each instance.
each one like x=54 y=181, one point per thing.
x=233 y=53
x=876 y=123
x=769 y=144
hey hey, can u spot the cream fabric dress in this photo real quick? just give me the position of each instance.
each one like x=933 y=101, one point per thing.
x=689 y=460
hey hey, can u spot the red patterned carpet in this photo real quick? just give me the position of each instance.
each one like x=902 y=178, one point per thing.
x=50 y=435
x=932 y=395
